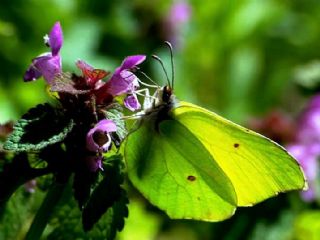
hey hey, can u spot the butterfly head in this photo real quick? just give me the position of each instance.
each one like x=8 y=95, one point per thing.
x=167 y=93
x=163 y=98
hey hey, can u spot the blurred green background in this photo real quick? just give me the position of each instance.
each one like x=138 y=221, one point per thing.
x=241 y=59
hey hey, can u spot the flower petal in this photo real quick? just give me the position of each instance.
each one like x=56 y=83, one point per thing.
x=122 y=80
x=132 y=103
x=49 y=66
x=55 y=38
x=115 y=86
x=132 y=61
x=310 y=194
x=106 y=125
x=179 y=13
x=31 y=74
x=130 y=78
x=94 y=163
x=309 y=124
x=83 y=66
x=98 y=138
x=307 y=156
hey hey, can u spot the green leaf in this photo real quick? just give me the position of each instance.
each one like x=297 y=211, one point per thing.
x=66 y=223
x=40 y=127
x=18 y=213
x=116 y=115
x=83 y=181
x=114 y=218
x=45 y=211
x=105 y=195
x=14 y=174
x=307 y=225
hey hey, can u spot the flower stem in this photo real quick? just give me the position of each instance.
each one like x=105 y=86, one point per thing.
x=44 y=213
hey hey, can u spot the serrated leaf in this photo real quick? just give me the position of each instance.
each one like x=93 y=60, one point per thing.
x=82 y=183
x=40 y=127
x=115 y=217
x=116 y=116
x=105 y=195
x=14 y=174
x=66 y=223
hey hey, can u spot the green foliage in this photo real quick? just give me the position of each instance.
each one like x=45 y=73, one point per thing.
x=116 y=115
x=103 y=214
x=18 y=214
x=40 y=127
x=307 y=225
x=237 y=57
x=107 y=194
x=14 y=174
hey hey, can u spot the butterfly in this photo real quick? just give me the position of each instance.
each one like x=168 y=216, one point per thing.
x=195 y=164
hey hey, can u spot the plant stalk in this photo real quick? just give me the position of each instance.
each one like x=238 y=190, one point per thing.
x=45 y=211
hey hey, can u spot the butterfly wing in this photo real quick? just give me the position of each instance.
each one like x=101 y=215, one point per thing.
x=174 y=171
x=257 y=167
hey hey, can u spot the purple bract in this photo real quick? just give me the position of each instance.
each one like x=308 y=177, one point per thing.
x=123 y=80
x=47 y=64
x=131 y=102
x=94 y=163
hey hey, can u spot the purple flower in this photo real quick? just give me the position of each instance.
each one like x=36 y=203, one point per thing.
x=307 y=155
x=47 y=64
x=123 y=80
x=307 y=146
x=132 y=103
x=98 y=138
x=83 y=66
x=178 y=16
x=179 y=13
x=309 y=124
x=94 y=163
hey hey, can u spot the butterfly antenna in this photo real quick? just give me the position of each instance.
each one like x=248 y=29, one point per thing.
x=164 y=69
x=149 y=78
x=172 y=62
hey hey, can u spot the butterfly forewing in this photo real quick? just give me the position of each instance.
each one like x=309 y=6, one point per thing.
x=175 y=172
x=257 y=167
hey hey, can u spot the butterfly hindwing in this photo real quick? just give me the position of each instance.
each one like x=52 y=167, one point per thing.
x=257 y=167
x=175 y=172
